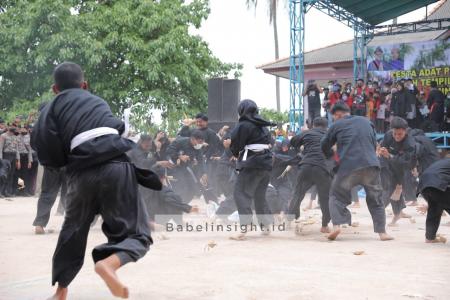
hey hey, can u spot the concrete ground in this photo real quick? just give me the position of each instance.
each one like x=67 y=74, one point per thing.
x=282 y=266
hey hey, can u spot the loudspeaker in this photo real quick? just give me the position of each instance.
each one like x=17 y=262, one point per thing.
x=216 y=126
x=223 y=99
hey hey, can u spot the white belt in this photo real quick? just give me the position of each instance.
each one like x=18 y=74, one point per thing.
x=91 y=134
x=254 y=148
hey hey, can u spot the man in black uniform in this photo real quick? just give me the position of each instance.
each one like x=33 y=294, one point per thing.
x=426 y=156
x=434 y=185
x=428 y=153
x=284 y=158
x=164 y=205
x=313 y=170
x=226 y=175
x=77 y=130
x=358 y=165
x=53 y=180
x=250 y=142
x=436 y=104
x=399 y=154
x=189 y=171
x=212 y=142
x=212 y=149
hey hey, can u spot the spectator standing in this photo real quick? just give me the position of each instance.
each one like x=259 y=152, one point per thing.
x=381 y=117
x=435 y=102
x=313 y=94
x=9 y=151
x=26 y=157
x=359 y=94
x=400 y=103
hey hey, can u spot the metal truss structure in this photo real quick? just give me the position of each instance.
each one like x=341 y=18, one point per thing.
x=419 y=26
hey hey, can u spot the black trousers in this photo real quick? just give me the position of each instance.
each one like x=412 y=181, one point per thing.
x=28 y=175
x=310 y=175
x=52 y=181
x=340 y=197
x=9 y=187
x=226 y=207
x=251 y=186
x=185 y=184
x=409 y=186
x=284 y=195
x=390 y=179
x=110 y=190
x=438 y=201
x=23 y=173
x=312 y=114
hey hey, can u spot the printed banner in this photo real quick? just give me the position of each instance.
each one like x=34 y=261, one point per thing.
x=423 y=62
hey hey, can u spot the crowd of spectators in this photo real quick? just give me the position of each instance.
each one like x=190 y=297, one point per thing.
x=424 y=107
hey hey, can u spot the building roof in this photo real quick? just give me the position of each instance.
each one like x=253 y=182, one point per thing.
x=343 y=52
x=378 y=11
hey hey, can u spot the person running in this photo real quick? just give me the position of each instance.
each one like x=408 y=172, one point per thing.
x=78 y=131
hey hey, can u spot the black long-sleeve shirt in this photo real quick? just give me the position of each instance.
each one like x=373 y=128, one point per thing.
x=214 y=147
x=312 y=153
x=183 y=146
x=356 y=144
x=72 y=112
x=141 y=158
x=403 y=154
x=401 y=103
x=163 y=202
x=436 y=176
x=280 y=161
x=428 y=153
x=435 y=102
x=247 y=133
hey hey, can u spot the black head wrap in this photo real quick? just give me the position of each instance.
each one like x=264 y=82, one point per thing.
x=248 y=110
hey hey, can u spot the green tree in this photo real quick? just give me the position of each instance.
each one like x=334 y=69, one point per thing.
x=272 y=11
x=134 y=52
x=274 y=116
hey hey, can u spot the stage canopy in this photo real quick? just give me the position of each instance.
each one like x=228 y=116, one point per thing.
x=378 y=11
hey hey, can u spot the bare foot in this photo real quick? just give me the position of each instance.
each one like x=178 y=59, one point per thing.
x=412 y=203
x=356 y=205
x=309 y=206
x=394 y=221
x=60 y=294
x=106 y=269
x=238 y=237
x=39 y=230
x=298 y=229
x=325 y=229
x=436 y=240
x=385 y=237
x=336 y=231
x=404 y=215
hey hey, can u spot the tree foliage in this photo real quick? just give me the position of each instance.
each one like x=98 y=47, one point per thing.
x=136 y=53
x=274 y=116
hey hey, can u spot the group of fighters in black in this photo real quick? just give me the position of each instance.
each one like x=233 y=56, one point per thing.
x=107 y=174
